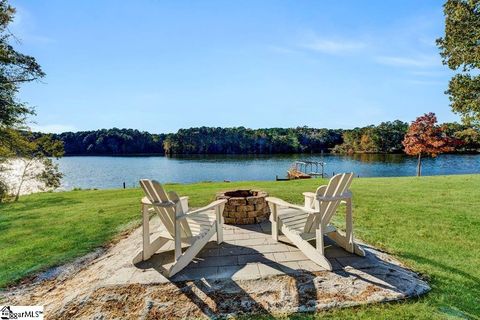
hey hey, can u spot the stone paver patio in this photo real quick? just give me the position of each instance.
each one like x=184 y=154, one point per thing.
x=248 y=252
x=248 y=273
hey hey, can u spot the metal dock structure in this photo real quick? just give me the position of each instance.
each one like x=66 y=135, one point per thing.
x=307 y=169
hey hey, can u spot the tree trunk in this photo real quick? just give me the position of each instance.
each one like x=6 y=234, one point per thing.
x=17 y=195
x=22 y=179
x=419 y=165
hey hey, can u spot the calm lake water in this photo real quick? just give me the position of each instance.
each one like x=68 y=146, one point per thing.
x=111 y=172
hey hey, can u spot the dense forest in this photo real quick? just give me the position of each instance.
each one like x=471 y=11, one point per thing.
x=384 y=138
x=203 y=140
x=248 y=141
x=111 y=142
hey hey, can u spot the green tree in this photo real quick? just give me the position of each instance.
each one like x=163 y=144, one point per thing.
x=35 y=157
x=460 y=51
x=470 y=139
x=15 y=69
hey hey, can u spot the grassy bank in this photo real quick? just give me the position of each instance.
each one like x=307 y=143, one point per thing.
x=431 y=223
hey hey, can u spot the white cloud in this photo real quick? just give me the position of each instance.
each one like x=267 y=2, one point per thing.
x=334 y=46
x=330 y=44
x=53 y=128
x=422 y=61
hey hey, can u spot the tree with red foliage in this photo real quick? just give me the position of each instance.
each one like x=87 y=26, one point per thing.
x=425 y=138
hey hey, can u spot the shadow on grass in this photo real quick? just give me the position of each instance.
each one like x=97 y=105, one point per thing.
x=470 y=305
x=442 y=266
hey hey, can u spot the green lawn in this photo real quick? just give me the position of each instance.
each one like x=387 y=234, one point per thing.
x=430 y=223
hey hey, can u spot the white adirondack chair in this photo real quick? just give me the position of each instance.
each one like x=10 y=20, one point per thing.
x=301 y=224
x=194 y=228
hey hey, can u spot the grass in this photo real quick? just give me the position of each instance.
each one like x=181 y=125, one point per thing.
x=431 y=223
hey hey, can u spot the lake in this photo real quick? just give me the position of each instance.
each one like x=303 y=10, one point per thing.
x=111 y=172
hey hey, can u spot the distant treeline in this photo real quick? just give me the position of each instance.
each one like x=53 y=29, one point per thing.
x=384 y=138
x=249 y=141
x=111 y=142
x=387 y=137
x=202 y=140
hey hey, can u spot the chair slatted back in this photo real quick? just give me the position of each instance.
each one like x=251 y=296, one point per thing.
x=156 y=194
x=337 y=186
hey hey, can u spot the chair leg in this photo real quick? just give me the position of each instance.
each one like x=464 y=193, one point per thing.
x=319 y=240
x=342 y=241
x=274 y=220
x=177 y=241
x=147 y=252
x=219 y=225
x=349 y=246
x=307 y=249
x=186 y=257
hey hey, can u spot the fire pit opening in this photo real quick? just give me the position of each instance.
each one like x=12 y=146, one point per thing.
x=245 y=206
x=241 y=193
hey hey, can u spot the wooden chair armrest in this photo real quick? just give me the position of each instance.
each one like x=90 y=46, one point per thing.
x=184 y=203
x=147 y=201
x=211 y=206
x=283 y=203
x=309 y=201
x=309 y=194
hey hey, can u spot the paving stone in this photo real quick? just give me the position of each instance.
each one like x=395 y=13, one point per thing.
x=309 y=265
x=234 y=250
x=196 y=274
x=288 y=267
x=289 y=256
x=269 y=248
x=254 y=234
x=243 y=272
x=358 y=262
x=209 y=252
x=240 y=236
x=254 y=242
x=248 y=247
x=268 y=270
x=214 y=261
x=151 y=276
x=228 y=238
x=211 y=244
x=249 y=228
x=333 y=251
x=266 y=227
x=248 y=258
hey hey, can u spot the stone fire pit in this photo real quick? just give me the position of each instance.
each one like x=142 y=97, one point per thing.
x=245 y=206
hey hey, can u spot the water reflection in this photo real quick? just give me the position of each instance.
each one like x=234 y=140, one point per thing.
x=111 y=172
x=384 y=158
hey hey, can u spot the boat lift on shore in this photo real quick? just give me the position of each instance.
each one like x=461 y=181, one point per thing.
x=305 y=170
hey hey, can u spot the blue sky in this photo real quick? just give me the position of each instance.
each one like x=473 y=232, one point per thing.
x=164 y=65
